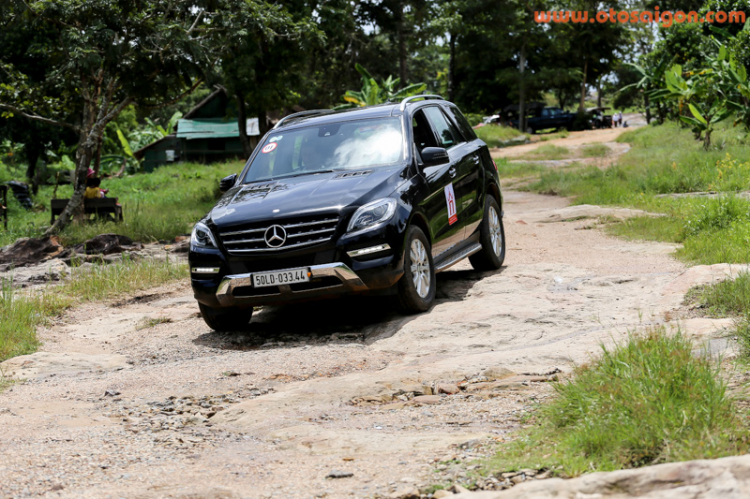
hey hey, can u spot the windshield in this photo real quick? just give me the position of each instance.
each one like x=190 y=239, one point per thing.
x=337 y=146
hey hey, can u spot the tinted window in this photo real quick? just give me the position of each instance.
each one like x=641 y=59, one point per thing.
x=462 y=122
x=447 y=133
x=423 y=134
x=336 y=146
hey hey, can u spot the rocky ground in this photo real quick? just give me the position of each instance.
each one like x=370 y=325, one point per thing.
x=137 y=397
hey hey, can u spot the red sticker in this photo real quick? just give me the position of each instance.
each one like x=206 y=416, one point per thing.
x=450 y=200
x=268 y=148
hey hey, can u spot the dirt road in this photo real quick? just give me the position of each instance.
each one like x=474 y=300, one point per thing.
x=140 y=399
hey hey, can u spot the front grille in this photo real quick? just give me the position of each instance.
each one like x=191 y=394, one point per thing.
x=300 y=232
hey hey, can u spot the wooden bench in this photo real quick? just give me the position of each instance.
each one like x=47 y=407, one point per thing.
x=102 y=208
x=4 y=204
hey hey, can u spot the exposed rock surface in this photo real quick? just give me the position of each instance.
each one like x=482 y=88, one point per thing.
x=727 y=478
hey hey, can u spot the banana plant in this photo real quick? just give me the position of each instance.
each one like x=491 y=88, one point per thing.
x=373 y=93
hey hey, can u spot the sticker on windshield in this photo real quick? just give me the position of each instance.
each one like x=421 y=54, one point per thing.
x=269 y=147
x=276 y=139
x=450 y=200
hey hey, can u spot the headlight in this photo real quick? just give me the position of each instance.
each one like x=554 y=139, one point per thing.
x=372 y=215
x=202 y=237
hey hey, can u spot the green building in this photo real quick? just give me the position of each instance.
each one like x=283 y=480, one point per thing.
x=207 y=133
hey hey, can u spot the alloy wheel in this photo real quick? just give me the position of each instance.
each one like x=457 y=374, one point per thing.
x=420 y=268
x=496 y=233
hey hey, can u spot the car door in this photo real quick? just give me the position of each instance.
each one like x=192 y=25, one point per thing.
x=445 y=229
x=471 y=185
x=461 y=182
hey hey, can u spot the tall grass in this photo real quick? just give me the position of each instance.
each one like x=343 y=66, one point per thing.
x=548 y=152
x=496 y=135
x=157 y=206
x=22 y=313
x=649 y=400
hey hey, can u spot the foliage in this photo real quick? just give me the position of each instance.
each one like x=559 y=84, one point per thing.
x=647 y=400
x=373 y=93
x=157 y=206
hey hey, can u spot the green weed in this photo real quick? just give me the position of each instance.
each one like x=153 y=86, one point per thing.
x=595 y=151
x=497 y=136
x=548 y=152
x=649 y=400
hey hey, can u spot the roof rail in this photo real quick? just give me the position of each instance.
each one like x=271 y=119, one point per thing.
x=415 y=97
x=301 y=114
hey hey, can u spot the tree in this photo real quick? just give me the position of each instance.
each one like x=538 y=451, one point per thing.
x=263 y=69
x=111 y=54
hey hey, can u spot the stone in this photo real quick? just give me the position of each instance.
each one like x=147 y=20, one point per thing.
x=448 y=388
x=441 y=494
x=43 y=364
x=457 y=489
x=724 y=477
x=340 y=474
x=406 y=493
x=425 y=400
x=106 y=244
x=29 y=251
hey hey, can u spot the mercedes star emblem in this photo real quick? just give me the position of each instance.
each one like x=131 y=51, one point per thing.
x=275 y=236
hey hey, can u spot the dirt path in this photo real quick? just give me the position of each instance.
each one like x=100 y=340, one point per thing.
x=140 y=399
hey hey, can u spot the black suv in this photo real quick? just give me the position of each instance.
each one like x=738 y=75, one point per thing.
x=374 y=199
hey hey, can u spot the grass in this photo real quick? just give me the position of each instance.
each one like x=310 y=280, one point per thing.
x=157 y=206
x=649 y=400
x=666 y=160
x=547 y=152
x=497 y=136
x=562 y=134
x=21 y=314
x=508 y=169
x=595 y=151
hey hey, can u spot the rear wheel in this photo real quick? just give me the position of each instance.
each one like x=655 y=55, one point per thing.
x=491 y=237
x=226 y=319
x=416 y=289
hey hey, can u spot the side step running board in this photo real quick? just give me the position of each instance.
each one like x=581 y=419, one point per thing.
x=464 y=254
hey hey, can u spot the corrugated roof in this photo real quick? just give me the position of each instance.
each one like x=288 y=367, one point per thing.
x=214 y=128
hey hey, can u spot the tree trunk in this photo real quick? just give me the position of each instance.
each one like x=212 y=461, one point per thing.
x=648 y=109
x=247 y=149
x=401 y=43
x=98 y=162
x=263 y=125
x=522 y=89
x=84 y=156
x=582 y=104
x=33 y=150
x=599 y=92
x=452 y=68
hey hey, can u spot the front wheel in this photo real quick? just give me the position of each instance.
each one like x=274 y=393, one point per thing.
x=491 y=237
x=416 y=289
x=229 y=319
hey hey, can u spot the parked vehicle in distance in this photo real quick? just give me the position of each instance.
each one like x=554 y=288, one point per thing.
x=366 y=200
x=546 y=118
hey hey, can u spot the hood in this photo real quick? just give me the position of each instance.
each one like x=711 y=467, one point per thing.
x=304 y=195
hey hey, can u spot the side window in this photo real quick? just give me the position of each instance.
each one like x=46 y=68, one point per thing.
x=423 y=134
x=447 y=133
x=462 y=122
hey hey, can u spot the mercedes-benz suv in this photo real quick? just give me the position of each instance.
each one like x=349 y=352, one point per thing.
x=366 y=200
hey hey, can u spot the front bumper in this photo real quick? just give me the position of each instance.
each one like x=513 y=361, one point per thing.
x=328 y=279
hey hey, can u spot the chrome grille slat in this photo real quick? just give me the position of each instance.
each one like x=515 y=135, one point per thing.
x=311 y=233
x=306 y=243
x=304 y=224
x=300 y=232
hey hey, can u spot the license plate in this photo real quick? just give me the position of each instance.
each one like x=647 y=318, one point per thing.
x=280 y=277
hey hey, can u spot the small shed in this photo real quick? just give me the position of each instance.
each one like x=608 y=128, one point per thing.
x=207 y=133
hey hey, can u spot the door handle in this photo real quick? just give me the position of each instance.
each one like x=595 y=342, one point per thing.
x=452 y=171
x=476 y=159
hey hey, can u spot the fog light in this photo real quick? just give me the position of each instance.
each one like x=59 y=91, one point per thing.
x=205 y=270
x=368 y=251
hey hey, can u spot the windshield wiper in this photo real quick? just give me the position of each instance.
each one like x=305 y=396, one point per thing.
x=303 y=173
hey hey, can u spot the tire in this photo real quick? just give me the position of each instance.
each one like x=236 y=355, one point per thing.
x=530 y=131
x=491 y=237
x=229 y=319
x=416 y=289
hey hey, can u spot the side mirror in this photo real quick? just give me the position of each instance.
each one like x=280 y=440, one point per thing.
x=433 y=156
x=227 y=182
